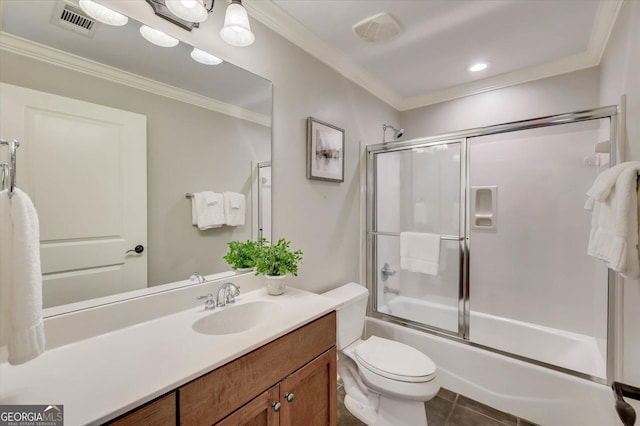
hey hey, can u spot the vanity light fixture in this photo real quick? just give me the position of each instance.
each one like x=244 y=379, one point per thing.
x=102 y=14
x=479 y=66
x=204 y=57
x=236 y=30
x=157 y=37
x=189 y=10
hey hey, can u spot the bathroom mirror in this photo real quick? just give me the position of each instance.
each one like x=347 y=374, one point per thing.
x=204 y=128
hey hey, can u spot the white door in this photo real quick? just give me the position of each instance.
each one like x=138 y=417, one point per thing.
x=84 y=167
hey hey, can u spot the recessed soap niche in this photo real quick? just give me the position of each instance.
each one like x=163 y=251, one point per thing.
x=484 y=213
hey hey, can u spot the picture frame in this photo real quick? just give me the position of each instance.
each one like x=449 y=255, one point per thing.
x=325 y=151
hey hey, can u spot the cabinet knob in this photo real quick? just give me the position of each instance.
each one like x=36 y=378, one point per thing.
x=289 y=396
x=276 y=406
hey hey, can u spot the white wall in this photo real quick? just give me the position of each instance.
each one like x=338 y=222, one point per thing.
x=554 y=95
x=620 y=74
x=321 y=218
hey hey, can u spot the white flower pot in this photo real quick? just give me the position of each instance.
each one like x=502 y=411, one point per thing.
x=276 y=284
x=243 y=270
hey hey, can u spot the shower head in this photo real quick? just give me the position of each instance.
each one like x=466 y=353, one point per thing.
x=397 y=132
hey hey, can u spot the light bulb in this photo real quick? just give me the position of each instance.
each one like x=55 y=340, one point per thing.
x=157 y=37
x=188 y=10
x=236 y=30
x=204 y=57
x=103 y=14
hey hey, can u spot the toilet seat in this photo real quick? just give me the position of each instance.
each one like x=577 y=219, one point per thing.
x=417 y=382
x=394 y=360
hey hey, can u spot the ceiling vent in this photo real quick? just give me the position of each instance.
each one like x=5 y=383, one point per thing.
x=377 y=28
x=70 y=17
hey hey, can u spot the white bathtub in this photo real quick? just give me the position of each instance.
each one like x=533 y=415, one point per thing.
x=529 y=391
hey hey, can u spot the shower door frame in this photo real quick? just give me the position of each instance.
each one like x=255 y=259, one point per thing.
x=463 y=137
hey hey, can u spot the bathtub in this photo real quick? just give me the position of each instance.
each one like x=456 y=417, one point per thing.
x=536 y=393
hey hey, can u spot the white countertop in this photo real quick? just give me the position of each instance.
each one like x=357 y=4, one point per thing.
x=102 y=377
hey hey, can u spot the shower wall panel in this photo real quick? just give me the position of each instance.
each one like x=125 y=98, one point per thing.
x=533 y=267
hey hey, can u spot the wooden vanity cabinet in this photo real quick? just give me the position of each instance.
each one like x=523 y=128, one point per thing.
x=302 y=363
x=162 y=411
x=288 y=382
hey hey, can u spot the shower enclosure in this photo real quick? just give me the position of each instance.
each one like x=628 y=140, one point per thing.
x=507 y=202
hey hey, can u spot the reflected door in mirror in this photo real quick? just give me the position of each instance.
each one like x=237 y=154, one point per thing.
x=84 y=166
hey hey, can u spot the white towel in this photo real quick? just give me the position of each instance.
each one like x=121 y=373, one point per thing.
x=207 y=210
x=234 y=207
x=420 y=252
x=614 y=224
x=20 y=278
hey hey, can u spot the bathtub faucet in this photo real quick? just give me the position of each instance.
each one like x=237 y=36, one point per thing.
x=386 y=290
x=386 y=271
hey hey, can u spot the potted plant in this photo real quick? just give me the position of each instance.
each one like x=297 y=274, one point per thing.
x=242 y=256
x=275 y=261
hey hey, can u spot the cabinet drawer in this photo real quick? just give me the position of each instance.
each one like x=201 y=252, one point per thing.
x=161 y=412
x=208 y=399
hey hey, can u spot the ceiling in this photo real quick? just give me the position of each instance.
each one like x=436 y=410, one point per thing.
x=427 y=62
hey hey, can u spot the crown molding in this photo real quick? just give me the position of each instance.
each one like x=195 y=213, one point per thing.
x=279 y=21
x=18 y=45
x=561 y=66
x=606 y=17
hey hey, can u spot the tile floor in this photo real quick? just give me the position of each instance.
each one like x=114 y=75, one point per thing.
x=447 y=408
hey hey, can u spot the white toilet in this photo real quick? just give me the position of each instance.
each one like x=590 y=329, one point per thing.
x=386 y=382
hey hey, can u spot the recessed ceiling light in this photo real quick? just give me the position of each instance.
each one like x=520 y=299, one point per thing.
x=204 y=57
x=157 y=37
x=103 y=14
x=479 y=66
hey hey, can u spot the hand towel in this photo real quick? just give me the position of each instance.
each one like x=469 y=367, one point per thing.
x=234 y=207
x=606 y=180
x=420 y=252
x=207 y=210
x=614 y=225
x=20 y=278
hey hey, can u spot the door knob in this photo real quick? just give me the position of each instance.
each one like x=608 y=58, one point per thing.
x=137 y=249
x=276 y=406
x=289 y=396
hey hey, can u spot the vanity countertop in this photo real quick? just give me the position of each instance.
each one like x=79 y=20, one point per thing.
x=102 y=377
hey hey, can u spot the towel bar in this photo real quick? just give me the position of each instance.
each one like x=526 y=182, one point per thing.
x=397 y=234
x=10 y=167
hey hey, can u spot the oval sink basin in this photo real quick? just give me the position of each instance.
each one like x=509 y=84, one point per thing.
x=237 y=318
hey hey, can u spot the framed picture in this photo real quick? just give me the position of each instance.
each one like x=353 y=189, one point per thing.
x=325 y=151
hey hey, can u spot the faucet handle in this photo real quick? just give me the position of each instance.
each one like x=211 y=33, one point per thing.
x=210 y=302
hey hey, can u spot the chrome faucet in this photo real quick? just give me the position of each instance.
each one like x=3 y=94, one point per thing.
x=198 y=278
x=227 y=294
x=210 y=303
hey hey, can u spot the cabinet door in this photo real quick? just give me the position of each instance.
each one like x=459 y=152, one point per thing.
x=309 y=395
x=159 y=413
x=259 y=411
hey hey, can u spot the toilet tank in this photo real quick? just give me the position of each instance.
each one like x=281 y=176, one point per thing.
x=351 y=312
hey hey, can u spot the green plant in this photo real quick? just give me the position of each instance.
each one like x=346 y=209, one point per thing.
x=278 y=259
x=243 y=255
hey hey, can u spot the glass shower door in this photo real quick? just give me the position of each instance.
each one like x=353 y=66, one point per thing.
x=417 y=195
x=534 y=291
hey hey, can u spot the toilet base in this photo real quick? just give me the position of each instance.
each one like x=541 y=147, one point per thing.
x=391 y=412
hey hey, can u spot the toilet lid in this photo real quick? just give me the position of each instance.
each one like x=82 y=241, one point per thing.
x=395 y=360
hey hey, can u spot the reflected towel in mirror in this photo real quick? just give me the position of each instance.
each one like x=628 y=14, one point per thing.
x=234 y=208
x=207 y=210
